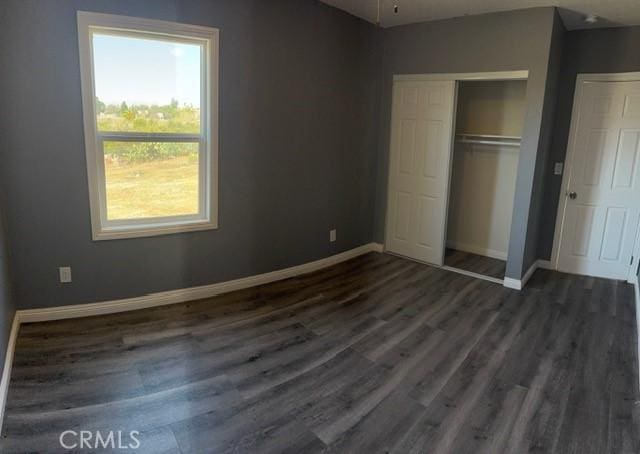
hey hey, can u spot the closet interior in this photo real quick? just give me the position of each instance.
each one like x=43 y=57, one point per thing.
x=488 y=129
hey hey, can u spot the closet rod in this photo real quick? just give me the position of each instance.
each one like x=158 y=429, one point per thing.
x=489 y=136
x=489 y=142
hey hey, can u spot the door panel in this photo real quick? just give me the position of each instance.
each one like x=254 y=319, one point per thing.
x=407 y=146
x=584 y=215
x=403 y=217
x=433 y=149
x=624 y=170
x=427 y=235
x=595 y=150
x=614 y=226
x=601 y=223
x=421 y=134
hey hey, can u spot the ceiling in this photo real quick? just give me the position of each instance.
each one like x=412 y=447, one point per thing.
x=611 y=13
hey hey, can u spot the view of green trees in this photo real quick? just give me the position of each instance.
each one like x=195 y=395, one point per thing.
x=170 y=118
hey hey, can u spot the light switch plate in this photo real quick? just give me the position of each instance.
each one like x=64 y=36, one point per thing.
x=557 y=169
x=333 y=235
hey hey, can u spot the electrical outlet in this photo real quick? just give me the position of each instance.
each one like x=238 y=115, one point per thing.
x=557 y=169
x=65 y=274
x=333 y=235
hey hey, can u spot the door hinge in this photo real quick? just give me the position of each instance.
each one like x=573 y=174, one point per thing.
x=631 y=263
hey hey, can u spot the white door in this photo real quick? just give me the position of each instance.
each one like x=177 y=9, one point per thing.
x=421 y=134
x=602 y=210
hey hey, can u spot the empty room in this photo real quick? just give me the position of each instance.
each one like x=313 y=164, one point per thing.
x=348 y=226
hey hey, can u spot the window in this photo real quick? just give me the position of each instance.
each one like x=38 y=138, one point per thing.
x=149 y=91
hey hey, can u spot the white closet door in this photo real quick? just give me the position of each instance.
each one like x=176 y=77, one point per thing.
x=421 y=134
x=603 y=204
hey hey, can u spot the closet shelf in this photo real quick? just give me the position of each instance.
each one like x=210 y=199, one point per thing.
x=489 y=139
x=489 y=136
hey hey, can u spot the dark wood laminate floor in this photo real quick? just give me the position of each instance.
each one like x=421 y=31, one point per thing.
x=475 y=263
x=377 y=354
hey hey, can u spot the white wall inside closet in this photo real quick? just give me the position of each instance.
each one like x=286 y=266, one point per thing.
x=489 y=120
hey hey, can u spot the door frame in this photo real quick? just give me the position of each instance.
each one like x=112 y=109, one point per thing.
x=581 y=78
x=443 y=77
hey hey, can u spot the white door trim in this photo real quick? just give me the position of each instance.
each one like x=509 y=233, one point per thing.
x=632 y=277
x=568 y=161
x=456 y=77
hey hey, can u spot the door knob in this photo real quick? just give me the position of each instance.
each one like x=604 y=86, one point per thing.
x=573 y=195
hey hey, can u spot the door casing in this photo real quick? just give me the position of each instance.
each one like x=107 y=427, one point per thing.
x=455 y=77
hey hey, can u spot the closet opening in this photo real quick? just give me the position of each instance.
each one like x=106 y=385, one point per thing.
x=488 y=128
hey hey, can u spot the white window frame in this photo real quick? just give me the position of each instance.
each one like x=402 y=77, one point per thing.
x=208 y=39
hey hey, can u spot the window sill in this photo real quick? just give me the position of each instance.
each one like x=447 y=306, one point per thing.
x=118 y=233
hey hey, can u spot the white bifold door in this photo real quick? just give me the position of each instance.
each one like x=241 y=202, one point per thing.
x=602 y=207
x=421 y=135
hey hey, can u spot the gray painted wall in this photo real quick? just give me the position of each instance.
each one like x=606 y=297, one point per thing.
x=586 y=51
x=508 y=41
x=538 y=218
x=298 y=100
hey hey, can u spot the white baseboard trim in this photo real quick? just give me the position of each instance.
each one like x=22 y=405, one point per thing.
x=377 y=247
x=636 y=285
x=8 y=363
x=515 y=284
x=160 y=299
x=473 y=249
x=545 y=265
x=518 y=284
x=188 y=294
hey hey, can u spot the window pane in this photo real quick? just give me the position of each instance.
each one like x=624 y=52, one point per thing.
x=146 y=85
x=147 y=180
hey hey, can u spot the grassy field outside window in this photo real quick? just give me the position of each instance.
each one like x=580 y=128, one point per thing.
x=147 y=180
